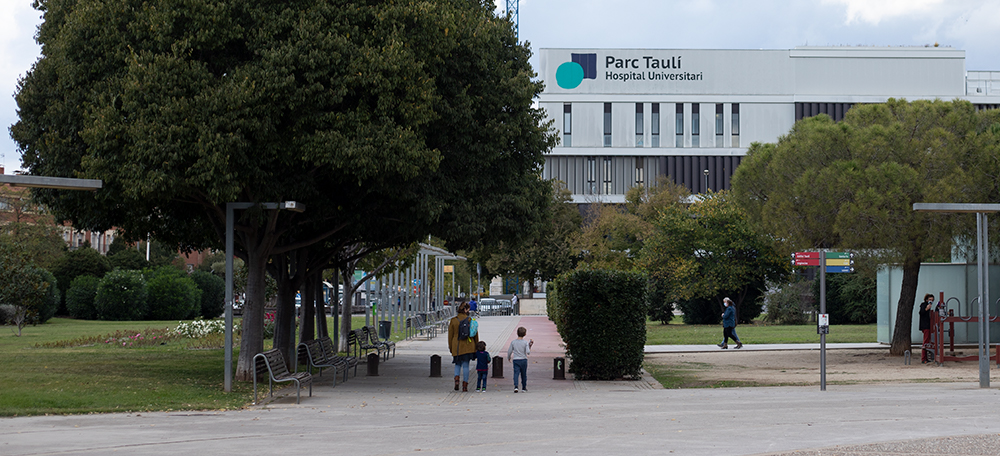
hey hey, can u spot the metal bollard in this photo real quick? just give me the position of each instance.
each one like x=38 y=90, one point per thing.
x=373 y=364
x=435 y=365
x=906 y=358
x=559 y=368
x=497 y=367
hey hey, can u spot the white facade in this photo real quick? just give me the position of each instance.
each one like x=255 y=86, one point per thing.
x=627 y=116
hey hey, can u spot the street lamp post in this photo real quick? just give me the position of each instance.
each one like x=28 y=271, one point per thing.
x=706 y=181
x=230 y=207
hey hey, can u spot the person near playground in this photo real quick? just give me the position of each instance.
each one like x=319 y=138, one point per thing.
x=729 y=325
x=517 y=354
x=473 y=307
x=482 y=366
x=925 y=325
x=463 y=350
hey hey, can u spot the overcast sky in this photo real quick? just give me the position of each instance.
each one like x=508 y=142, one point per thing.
x=970 y=25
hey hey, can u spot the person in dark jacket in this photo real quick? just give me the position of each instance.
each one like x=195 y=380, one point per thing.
x=925 y=325
x=729 y=325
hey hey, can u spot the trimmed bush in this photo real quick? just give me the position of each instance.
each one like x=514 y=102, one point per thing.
x=172 y=295
x=50 y=300
x=601 y=316
x=82 y=261
x=80 y=297
x=850 y=298
x=128 y=259
x=213 y=293
x=121 y=295
x=661 y=308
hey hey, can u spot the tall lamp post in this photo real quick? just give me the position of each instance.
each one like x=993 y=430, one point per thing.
x=982 y=272
x=230 y=207
x=706 y=181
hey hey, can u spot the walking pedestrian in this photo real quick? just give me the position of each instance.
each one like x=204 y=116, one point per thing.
x=729 y=325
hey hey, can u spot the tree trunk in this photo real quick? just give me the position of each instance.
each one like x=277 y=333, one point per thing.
x=901 y=338
x=284 y=319
x=252 y=337
x=321 y=330
x=345 y=311
x=306 y=326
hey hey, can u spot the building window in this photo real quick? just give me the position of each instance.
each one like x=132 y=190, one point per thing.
x=679 y=125
x=638 y=125
x=654 y=125
x=567 y=124
x=736 y=125
x=607 y=124
x=718 y=125
x=640 y=174
x=695 y=124
x=591 y=175
x=607 y=176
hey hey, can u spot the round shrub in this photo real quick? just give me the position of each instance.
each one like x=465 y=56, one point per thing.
x=80 y=297
x=121 y=295
x=172 y=295
x=51 y=298
x=213 y=293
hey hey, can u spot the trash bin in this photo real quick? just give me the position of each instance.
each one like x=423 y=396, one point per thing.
x=384 y=329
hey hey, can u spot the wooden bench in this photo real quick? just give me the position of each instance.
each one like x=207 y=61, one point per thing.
x=311 y=353
x=328 y=351
x=386 y=345
x=363 y=342
x=277 y=371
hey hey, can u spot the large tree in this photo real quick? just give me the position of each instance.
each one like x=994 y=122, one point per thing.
x=703 y=252
x=388 y=120
x=547 y=252
x=853 y=184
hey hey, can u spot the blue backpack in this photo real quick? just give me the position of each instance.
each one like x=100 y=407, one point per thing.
x=473 y=328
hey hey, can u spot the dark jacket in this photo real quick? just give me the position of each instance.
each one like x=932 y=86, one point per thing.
x=483 y=361
x=925 y=316
x=729 y=317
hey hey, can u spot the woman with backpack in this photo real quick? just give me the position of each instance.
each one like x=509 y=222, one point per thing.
x=462 y=344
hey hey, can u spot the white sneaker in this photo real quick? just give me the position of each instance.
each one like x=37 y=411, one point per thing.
x=515 y=389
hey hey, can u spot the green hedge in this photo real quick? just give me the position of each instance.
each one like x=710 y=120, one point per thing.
x=171 y=294
x=80 y=297
x=601 y=316
x=121 y=295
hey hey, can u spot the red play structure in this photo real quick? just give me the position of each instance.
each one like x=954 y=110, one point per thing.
x=938 y=322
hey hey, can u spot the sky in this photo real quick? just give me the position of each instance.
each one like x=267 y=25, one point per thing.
x=969 y=25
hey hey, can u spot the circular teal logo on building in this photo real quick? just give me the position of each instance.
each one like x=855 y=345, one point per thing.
x=569 y=75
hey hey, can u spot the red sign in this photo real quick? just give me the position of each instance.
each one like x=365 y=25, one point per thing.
x=807 y=256
x=806 y=262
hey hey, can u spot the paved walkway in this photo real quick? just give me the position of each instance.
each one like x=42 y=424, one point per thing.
x=404 y=411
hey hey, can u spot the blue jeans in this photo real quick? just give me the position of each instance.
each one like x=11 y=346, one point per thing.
x=481 y=379
x=521 y=370
x=463 y=369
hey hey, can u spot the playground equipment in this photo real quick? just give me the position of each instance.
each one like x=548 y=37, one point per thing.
x=943 y=321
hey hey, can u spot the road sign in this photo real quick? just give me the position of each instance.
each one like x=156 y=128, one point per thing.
x=798 y=262
x=838 y=262
x=839 y=269
x=838 y=255
x=807 y=255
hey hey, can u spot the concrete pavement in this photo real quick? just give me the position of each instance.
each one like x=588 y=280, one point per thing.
x=403 y=411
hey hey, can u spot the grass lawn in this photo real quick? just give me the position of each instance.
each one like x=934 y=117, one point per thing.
x=105 y=377
x=677 y=333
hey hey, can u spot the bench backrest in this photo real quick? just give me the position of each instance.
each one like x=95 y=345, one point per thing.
x=326 y=344
x=311 y=352
x=275 y=361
